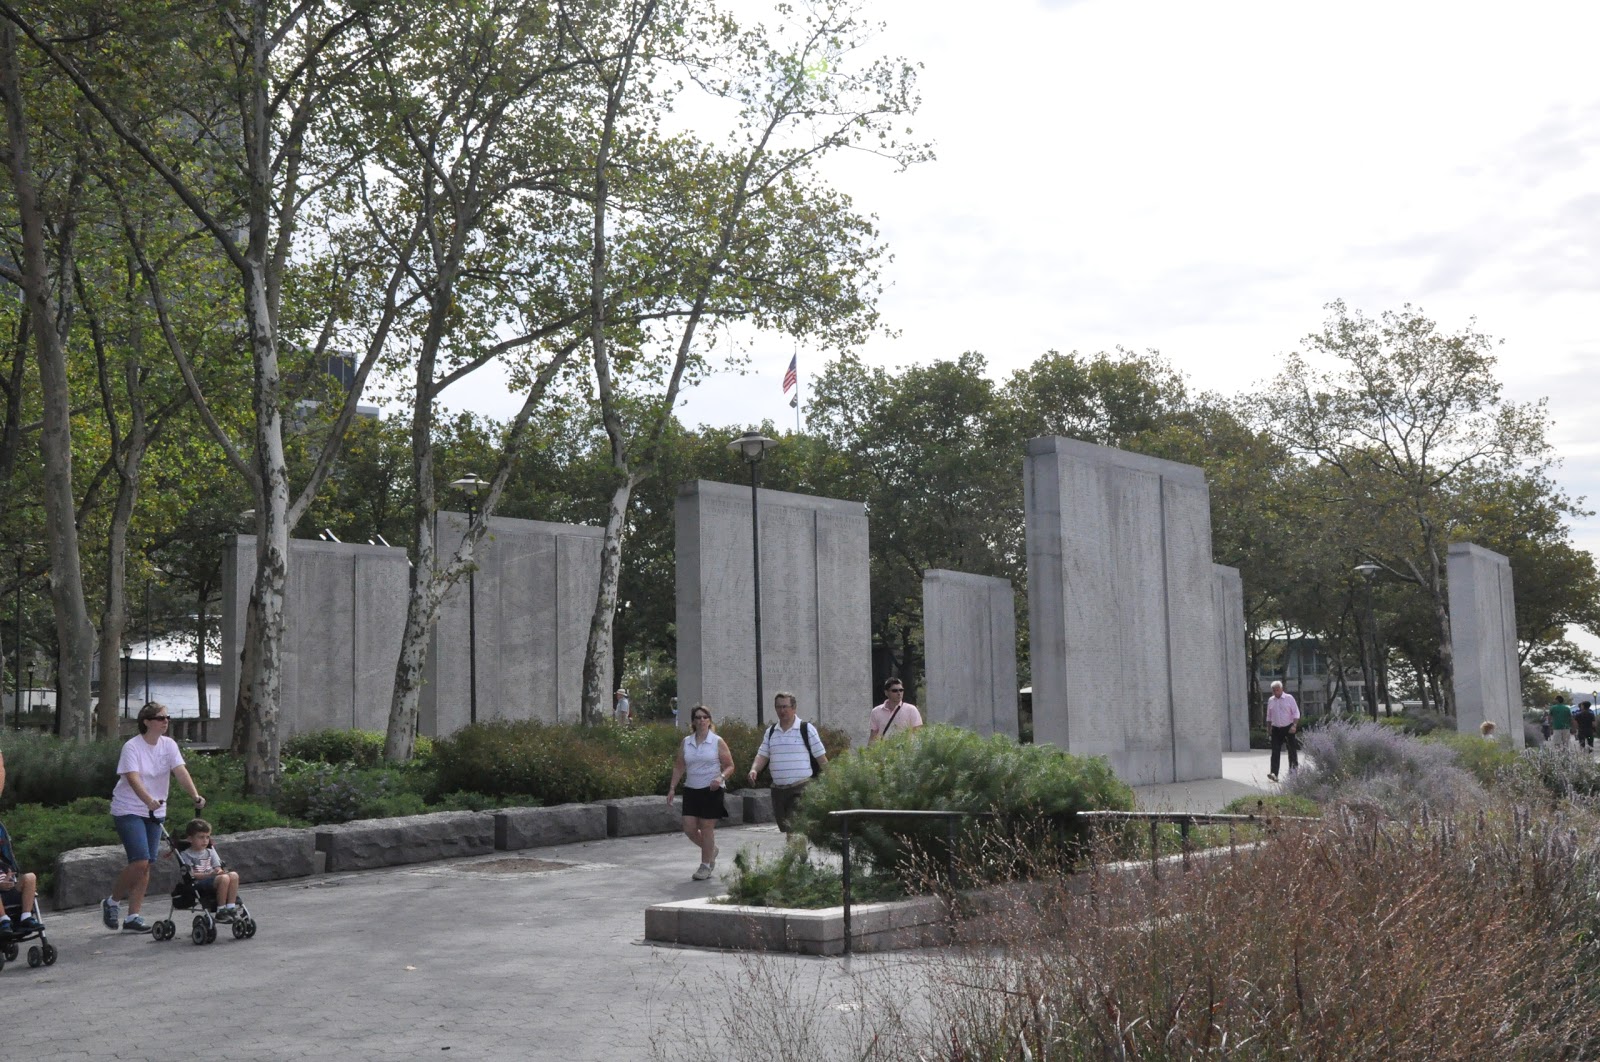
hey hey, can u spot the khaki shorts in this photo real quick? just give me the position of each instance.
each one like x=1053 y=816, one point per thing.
x=785 y=798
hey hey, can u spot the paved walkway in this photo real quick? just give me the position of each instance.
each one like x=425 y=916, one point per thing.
x=527 y=955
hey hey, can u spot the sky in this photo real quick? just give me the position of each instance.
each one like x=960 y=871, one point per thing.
x=1201 y=177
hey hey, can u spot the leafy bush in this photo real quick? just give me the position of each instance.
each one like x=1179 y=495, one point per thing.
x=1420 y=723
x=43 y=769
x=560 y=763
x=321 y=793
x=239 y=816
x=1370 y=763
x=362 y=748
x=1487 y=760
x=39 y=833
x=1274 y=804
x=1035 y=790
x=792 y=880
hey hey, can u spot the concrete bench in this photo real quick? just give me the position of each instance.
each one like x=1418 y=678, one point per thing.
x=633 y=816
x=370 y=843
x=519 y=828
x=757 y=806
x=84 y=875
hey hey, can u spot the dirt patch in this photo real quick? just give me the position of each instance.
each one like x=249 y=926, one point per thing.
x=515 y=865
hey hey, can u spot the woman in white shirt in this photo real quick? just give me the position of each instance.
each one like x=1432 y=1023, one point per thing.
x=138 y=806
x=704 y=764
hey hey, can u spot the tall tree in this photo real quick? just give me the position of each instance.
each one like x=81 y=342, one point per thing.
x=1401 y=414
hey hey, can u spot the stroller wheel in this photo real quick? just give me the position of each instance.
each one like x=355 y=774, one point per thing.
x=197 y=932
x=238 y=931
x=250 y=928
x=35 y=957
x=48 y=953
x=11 y=953
x=168 y=929
x=211 y=934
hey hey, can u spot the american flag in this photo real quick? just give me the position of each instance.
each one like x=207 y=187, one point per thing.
x=792 y=377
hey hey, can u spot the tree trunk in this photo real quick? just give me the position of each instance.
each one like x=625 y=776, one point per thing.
x=74 y=632
x=595 y=695
x=202 y=694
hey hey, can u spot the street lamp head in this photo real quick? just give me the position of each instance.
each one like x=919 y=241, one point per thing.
x=470 y=484
x=753 y=445
x=1368 y=569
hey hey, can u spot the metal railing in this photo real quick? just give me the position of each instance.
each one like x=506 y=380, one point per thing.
x=847 y=816
x=1184 y=820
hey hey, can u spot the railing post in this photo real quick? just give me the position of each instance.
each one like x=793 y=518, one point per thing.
x=845 y=849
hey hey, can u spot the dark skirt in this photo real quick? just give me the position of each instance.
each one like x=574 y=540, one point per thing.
x=704 y=803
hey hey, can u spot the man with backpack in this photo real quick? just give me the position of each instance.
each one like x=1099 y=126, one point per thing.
x=794 y=750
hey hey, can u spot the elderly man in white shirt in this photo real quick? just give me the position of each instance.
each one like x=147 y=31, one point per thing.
x=1283 y=716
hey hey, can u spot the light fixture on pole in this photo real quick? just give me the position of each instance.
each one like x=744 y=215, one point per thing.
x=470 y=485
x=1369 y=571
x=753 y=446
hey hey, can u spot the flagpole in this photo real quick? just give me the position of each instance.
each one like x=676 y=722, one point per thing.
x=797 y=393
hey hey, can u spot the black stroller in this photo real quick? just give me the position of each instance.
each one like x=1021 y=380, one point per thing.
x=186 y=896
x=41 y=954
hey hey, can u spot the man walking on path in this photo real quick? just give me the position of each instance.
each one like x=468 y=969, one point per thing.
x=1561 y=721
x=795 y=751
x=1583 y=724
x=895 y=715
x=1283 y=716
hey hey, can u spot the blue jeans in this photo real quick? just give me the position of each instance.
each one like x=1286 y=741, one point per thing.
x=141 y=837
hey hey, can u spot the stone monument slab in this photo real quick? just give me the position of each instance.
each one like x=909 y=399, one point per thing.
x=815 y=604
x=1122 y=611
x=969 y=627
x=1483 y=641
x=1228 y=588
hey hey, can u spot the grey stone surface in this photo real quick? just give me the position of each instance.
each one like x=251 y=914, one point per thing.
x=371 y=843
x=919 y=922
x=815 y=604
x=970 y=649
x=535 y=587
x=518 y=828
x=345 y=606
x=84 y=875
x=1228 y=591
x=1122 y=616
x=632 y=816
x=758 y=806
x=1483 y=640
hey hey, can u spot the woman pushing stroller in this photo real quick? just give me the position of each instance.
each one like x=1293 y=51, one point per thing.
x=138 y=807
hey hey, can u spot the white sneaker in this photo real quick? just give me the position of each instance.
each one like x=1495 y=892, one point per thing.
x=703 y=872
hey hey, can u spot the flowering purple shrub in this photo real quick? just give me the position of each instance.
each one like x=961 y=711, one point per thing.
x=1370 y=763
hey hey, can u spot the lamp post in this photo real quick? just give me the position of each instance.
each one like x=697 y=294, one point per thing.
x=1369 y=572
x=470 y=485
x=127 y=665
x=753 y=445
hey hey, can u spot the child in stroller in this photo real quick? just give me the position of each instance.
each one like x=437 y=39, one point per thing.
x=205 y=887
x=19 y=911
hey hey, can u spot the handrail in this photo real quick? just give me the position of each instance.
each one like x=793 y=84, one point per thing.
x=1184 y=820
x=846 y=815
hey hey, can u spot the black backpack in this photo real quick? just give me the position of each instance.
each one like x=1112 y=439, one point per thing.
x=805 y=739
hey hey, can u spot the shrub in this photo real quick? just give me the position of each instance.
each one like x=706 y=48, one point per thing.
x=1487 y=760
x=1274 y=804
x=39 y=833
x=362 y=748
x=1369 y=763
x=238 y=816
x=43 y=769
x=321 y=793
x=792 y=880
x=1035 y=790
x=1562 y=771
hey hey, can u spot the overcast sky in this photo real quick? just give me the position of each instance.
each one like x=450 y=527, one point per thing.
x=1201 y=177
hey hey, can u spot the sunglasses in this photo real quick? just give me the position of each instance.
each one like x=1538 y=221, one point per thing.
x=156 y=719
x=897 y=689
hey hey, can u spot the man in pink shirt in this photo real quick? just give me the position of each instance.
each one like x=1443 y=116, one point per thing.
x=895 y=715
x=1283 y=716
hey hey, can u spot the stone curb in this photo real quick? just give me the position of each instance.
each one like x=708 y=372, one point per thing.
x=519 y=828
x=367 y=844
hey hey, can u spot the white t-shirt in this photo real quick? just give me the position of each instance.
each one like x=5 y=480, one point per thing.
x=622 y=708
x=701 y=761
x=788 y=759
x=154 y=764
